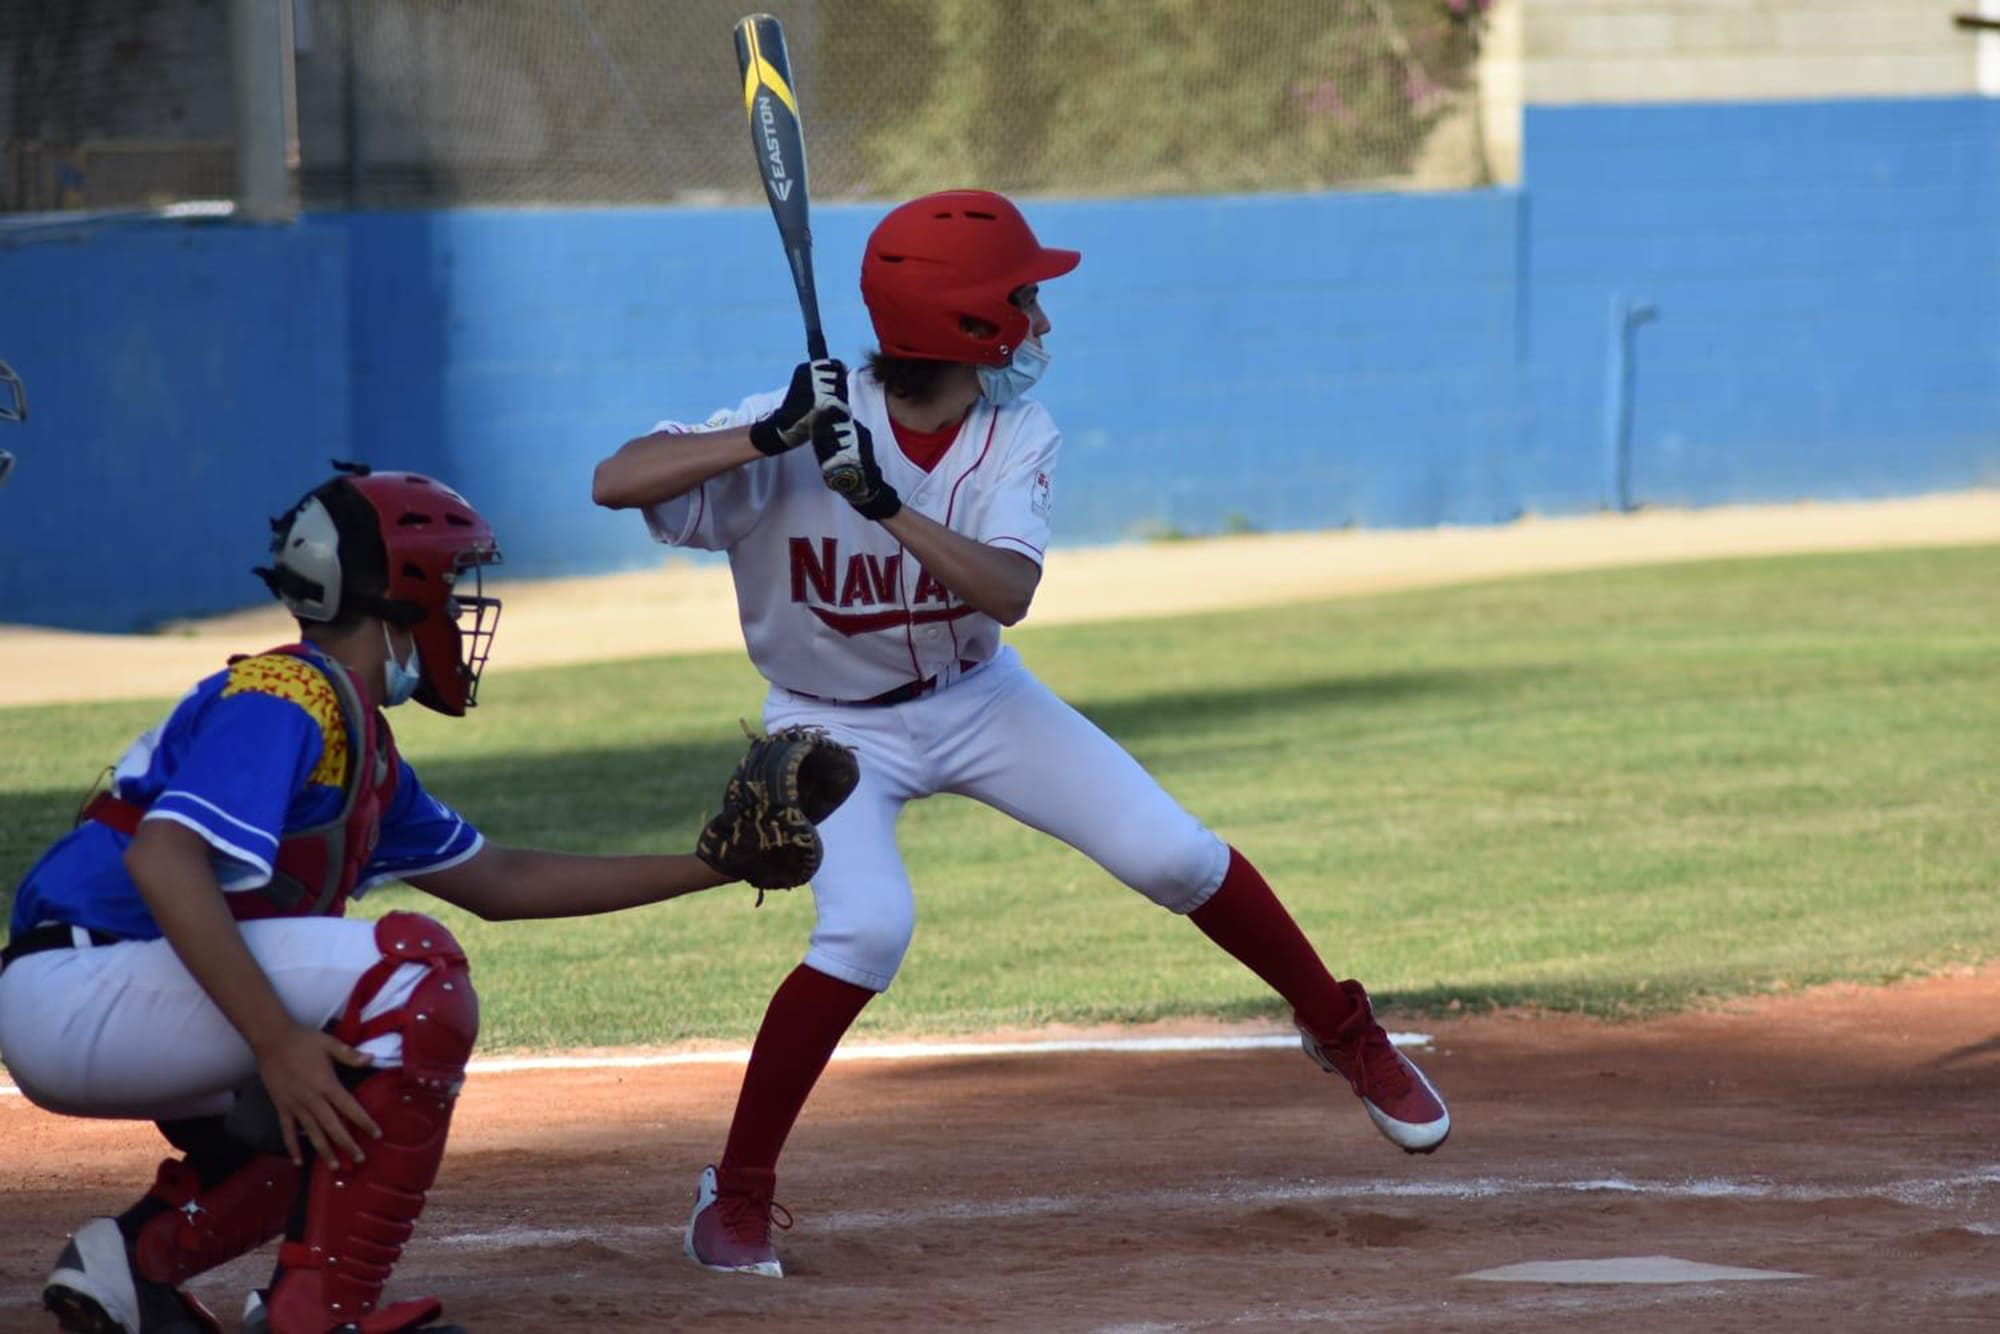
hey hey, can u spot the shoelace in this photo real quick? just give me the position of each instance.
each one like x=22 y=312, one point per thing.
x=1374 y=1065
x=749 y=1219
x=1383 y=1069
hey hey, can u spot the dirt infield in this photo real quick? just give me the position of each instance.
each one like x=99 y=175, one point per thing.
x=1848 y=1135
x=682 y=607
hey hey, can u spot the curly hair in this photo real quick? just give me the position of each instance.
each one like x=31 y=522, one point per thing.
x=910 y=378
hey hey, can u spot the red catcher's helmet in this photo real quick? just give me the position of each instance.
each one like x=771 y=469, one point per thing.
x=394 y=545
x=947 y=257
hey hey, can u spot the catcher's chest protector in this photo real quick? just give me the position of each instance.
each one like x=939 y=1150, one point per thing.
x=316 y=869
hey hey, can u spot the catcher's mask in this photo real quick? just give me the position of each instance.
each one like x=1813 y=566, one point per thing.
x=394 y=545
x=938 y=262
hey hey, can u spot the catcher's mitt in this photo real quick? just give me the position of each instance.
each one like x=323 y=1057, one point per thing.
x=787 y=783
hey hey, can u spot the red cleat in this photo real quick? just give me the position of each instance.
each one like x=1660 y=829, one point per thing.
x=1400 y=1101
x=730 y=1230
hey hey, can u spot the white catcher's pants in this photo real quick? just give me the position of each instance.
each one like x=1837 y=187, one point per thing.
x=1000 y=737
x=125 y=1031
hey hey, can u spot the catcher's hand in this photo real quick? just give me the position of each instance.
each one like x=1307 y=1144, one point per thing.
x=786 y=784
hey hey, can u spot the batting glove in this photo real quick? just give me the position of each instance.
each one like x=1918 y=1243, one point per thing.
x=847 y=461
x=817 y=387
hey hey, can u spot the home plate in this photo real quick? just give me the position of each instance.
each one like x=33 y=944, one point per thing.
x=1625 y=1269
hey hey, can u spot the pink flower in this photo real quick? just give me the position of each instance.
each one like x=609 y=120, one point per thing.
x=1321 y=98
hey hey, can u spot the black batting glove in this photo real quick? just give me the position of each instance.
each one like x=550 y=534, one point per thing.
x=847 y=461
x=816 y=387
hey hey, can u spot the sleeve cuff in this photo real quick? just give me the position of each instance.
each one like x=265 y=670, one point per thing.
x=426 y=868
x=673 y=522
x=255 y=870
x=1022 y=545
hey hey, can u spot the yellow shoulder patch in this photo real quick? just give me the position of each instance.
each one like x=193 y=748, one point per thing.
x=288 y=678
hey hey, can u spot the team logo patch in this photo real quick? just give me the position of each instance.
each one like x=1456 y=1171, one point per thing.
x=1040 y=498
x=282 y=676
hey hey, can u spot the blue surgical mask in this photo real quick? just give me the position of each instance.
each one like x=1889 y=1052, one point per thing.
x=400 y=678
x=1003 y=384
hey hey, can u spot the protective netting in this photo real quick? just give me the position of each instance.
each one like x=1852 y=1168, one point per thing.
x=431 y=102
x=108 y=103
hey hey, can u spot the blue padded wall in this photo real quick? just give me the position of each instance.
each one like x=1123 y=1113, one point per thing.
x=1822 y=282
x=185 y=383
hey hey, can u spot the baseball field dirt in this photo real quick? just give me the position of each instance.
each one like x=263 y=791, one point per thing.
x=1846 y=1135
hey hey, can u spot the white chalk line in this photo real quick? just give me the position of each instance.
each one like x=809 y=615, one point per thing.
x=1476 y=1188
x=894 y=1051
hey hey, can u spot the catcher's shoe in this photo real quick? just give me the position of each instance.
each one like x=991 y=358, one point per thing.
x=1403 y=1104
x=95 y=1289
x=730 y=1230
x=257 y=1320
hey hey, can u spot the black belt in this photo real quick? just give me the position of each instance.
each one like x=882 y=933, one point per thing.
x=55 y=937
x=902 y=694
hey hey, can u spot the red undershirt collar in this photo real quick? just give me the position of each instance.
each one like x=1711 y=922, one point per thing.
x=926 y=448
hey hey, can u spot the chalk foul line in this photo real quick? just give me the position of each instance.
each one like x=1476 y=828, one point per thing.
x=892 y=1051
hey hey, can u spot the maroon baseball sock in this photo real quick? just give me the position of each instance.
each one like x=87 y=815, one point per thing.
x=1245 y=918
x=802 y=1026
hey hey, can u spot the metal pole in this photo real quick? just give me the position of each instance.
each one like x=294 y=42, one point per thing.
x=260 y=57
x=1626 y=316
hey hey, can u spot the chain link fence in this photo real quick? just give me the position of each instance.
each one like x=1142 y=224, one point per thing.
x=417 y=103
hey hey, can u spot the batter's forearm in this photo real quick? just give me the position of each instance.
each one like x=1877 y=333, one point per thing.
x=992 y=581
x=513 y=884
x=170 y=865
x=654 y=469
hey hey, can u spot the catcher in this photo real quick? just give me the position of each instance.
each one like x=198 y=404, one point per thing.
x=181 y=957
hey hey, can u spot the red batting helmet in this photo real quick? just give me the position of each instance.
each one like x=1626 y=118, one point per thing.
x=945 y=258
x=394 y=545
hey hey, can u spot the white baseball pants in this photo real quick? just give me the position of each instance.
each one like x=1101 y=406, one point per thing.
x=1001 y=737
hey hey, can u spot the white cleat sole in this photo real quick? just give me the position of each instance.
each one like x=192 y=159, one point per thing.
x=772 y=1270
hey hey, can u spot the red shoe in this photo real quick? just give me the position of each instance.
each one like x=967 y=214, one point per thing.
x=730 y=1230
x=1400 y=1101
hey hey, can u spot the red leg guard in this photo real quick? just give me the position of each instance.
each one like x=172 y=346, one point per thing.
x=356 y=1222
x=206 y=1228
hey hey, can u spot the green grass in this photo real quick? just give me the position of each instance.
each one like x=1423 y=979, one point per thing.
x=1610 y=792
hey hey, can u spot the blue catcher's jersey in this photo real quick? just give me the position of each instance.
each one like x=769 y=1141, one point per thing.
x=252 y=754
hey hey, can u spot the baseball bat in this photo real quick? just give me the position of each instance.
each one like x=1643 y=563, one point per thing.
x=776 y=129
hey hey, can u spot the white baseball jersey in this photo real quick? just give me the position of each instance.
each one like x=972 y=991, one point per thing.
x=834 y=609
x=831 y=603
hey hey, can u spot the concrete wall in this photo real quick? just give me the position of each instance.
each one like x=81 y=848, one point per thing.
x=1627 y=51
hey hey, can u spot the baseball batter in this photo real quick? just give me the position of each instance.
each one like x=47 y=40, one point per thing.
x=874 y=572
x=180 y=955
